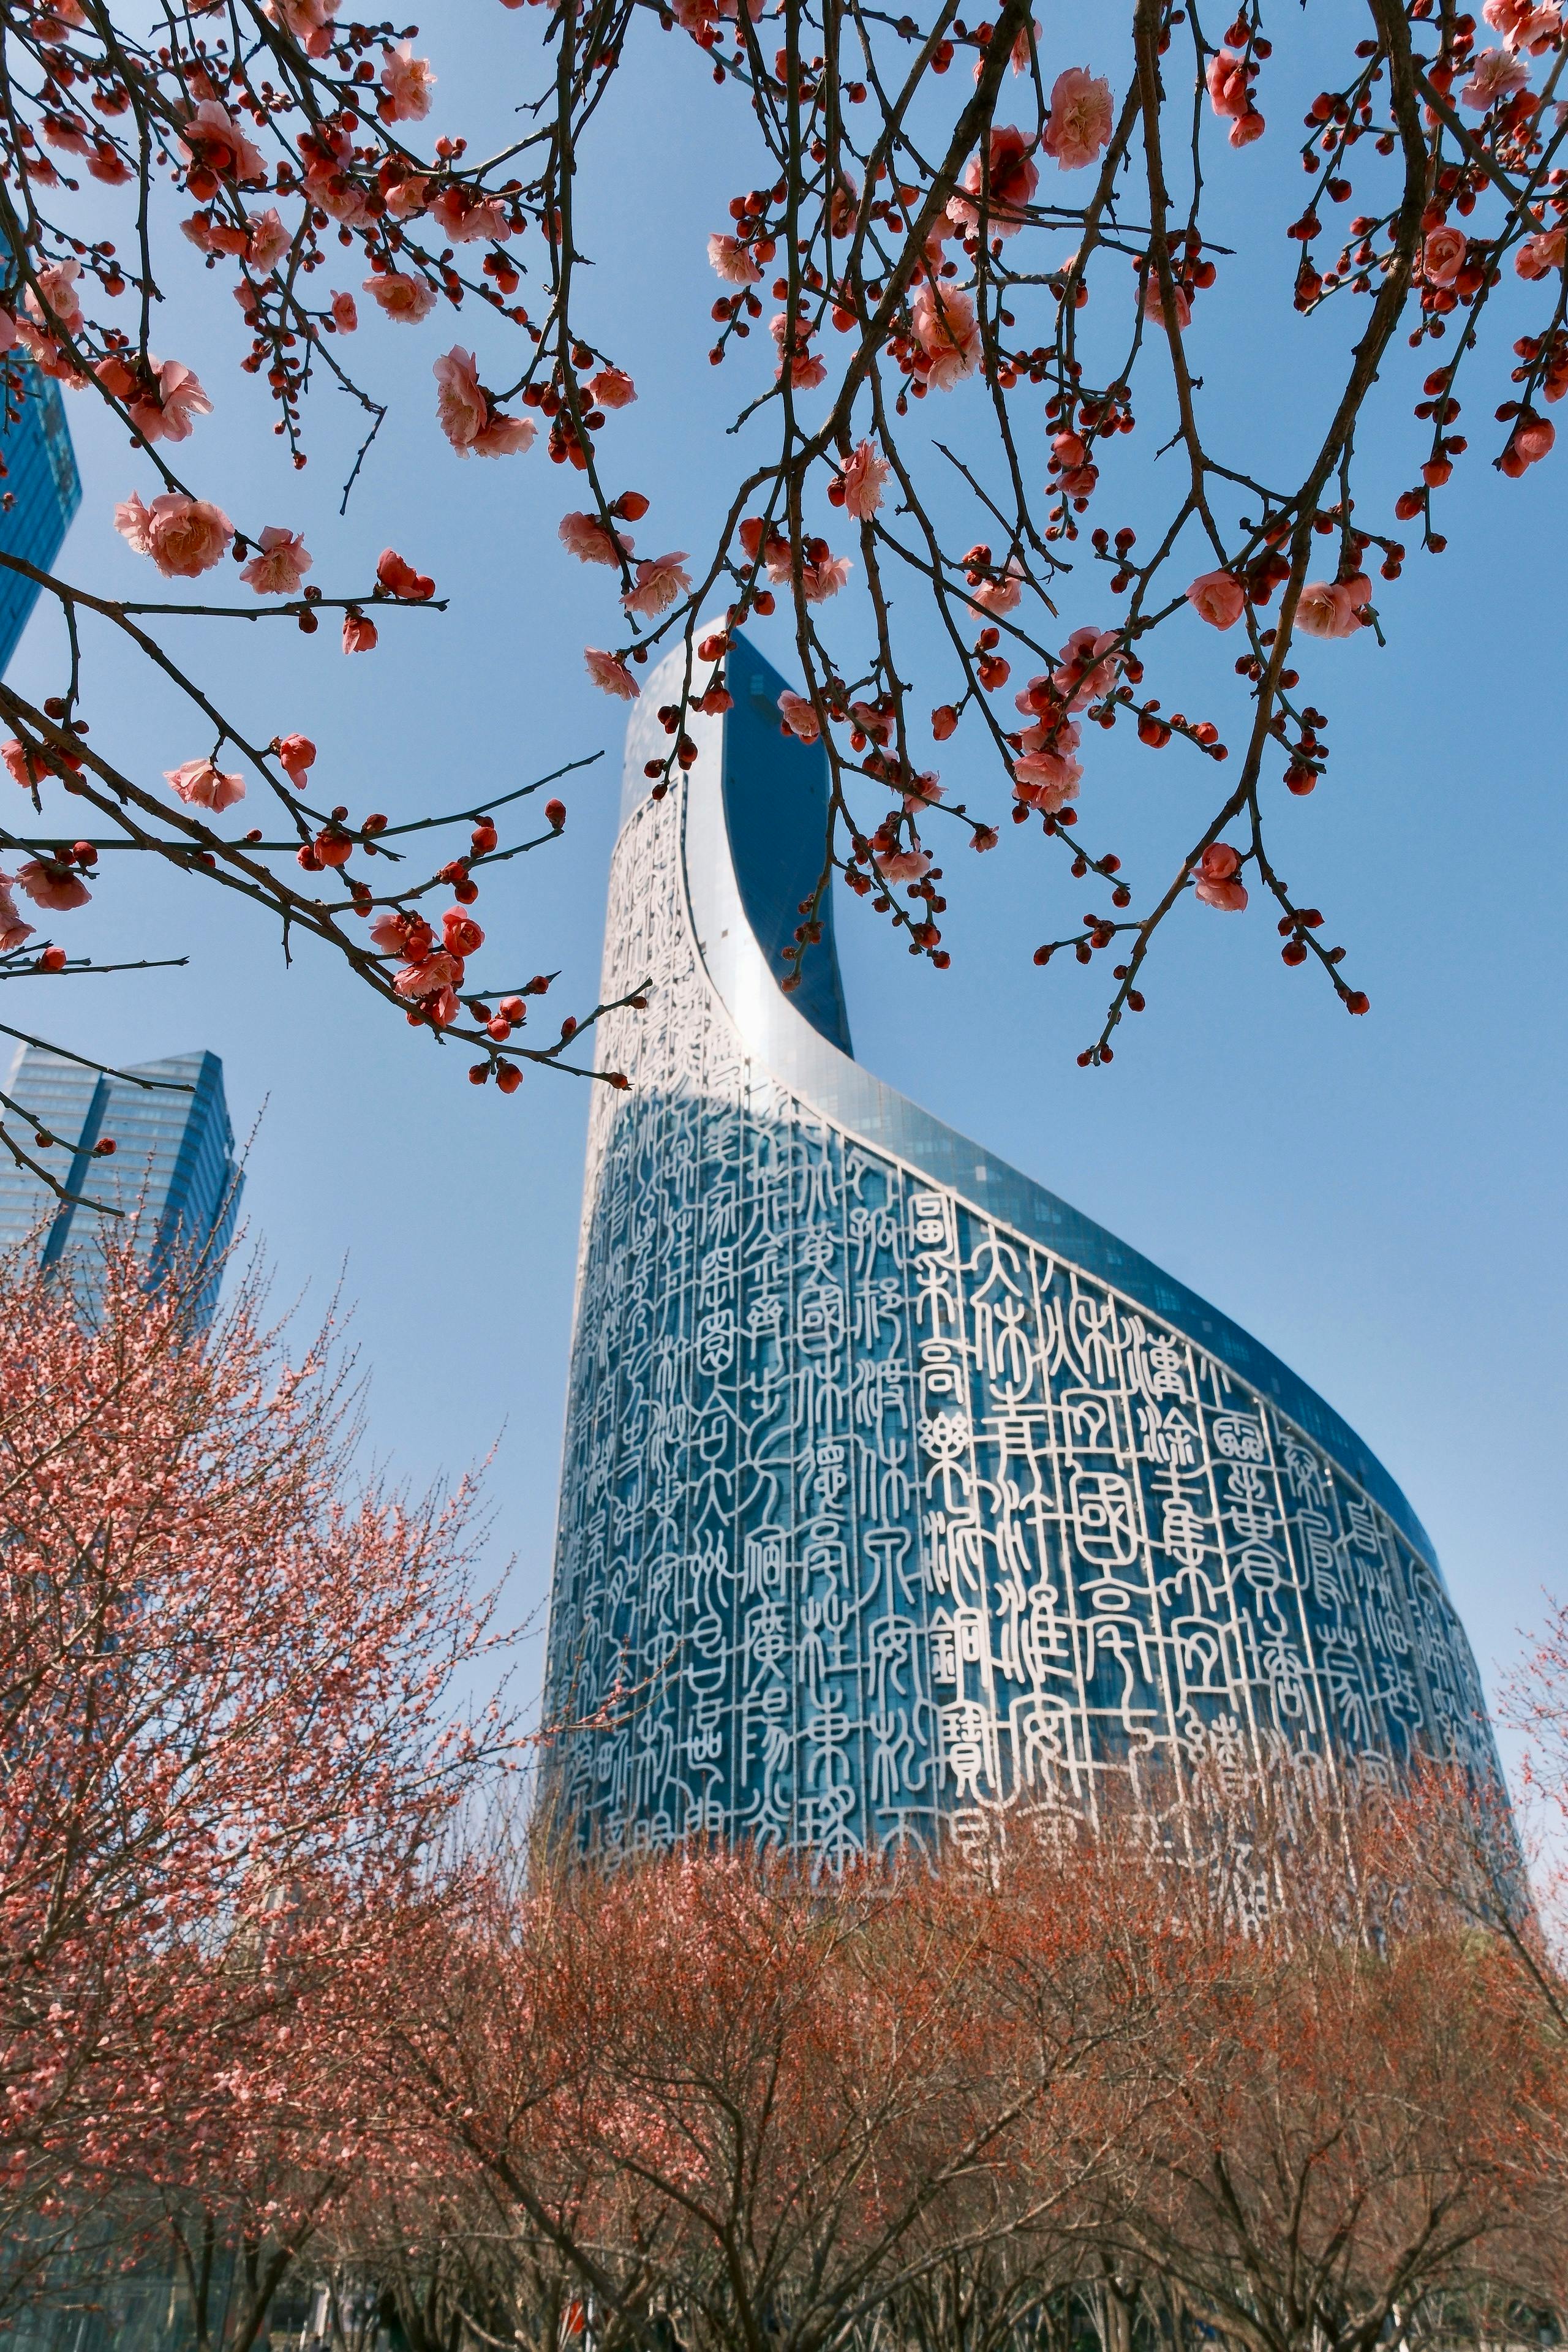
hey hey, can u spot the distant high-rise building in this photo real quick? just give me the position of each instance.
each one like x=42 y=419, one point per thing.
x=898 y=1496
x=172 y=1167
x=40 y=492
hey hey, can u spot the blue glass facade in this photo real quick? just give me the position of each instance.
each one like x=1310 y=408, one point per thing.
x=898 y=1496
x=172 y=1168
x=39 y=493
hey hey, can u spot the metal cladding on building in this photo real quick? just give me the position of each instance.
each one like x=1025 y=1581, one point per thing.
x=40 y=477
x=898 y=1495
x=172 y=1168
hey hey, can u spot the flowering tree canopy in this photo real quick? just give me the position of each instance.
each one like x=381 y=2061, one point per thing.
x=986 y=261
x=238 y=1707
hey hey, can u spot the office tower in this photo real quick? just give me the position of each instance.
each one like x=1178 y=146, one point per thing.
x=40 y=492
x=172 y=1168
x=898 y=1495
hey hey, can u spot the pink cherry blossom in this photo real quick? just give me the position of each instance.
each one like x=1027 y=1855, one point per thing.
x=56 y=282
x=1010 y=178
x=407 y=81
x=203 y=784
x=7 y=332
x=1000 y=595
x=14 y=755
x=1540 y=255
x=1046 y=780
x=58 y=888
x=132 y=520
x=1058 y=734
x=67 y=133
x=169 y=413
x=359 y=634
x=590 y=540
x=504 y=437
x=733 y=261
x=183 y=536
x=309 y=21
x=1080 y=118
x=904 y=865
x=1227 y=84
x=1496 y=73
x=1328 y=609
x=468 y=417
x=1218 y=598
x=612 y=388
x=268 y=243
x=13 y=931
x=1534 y=438
x=864 y=476
x=947 y=333
x=824 y=578
x=799 y=717
x=441 y=970
x=609 y=675
x=346 y=313
x=398 y=577
x=47 y=355
x=389 y=932
x=1154 y=305
x=1088 y=668
x=1523 y=26
x=345 y=198
x=1247 y=128
x=218 y=235
x=401 y=296
x=1443 y=255
x=807 y=370
x=406 y=198
x=1027 y=34
x=281 y=565
x=468 y=218
x=1215 y=877
x=296 y=755
x=660 y=581
x=213 y=137
x=1542 y=30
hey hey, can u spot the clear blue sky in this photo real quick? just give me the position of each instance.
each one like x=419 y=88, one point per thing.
x=1378 y=1200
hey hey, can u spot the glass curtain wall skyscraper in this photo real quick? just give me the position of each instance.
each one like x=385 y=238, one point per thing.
x=900 y=1497
x=39 y=491
x=174 y=1167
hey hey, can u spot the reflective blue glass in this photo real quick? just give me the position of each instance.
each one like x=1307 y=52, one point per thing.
x=172 y=1168
x=39 y=493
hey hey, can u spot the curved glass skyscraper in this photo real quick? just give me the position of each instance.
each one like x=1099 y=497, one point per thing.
x=897 y=1494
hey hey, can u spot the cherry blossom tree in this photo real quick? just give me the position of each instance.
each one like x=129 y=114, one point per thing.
x=1364 y=2110
x=989 y=261
x=236 y=1708
x=1249 y=2078
x=709 y=2094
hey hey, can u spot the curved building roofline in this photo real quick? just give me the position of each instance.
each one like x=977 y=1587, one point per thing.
x=755 y=823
